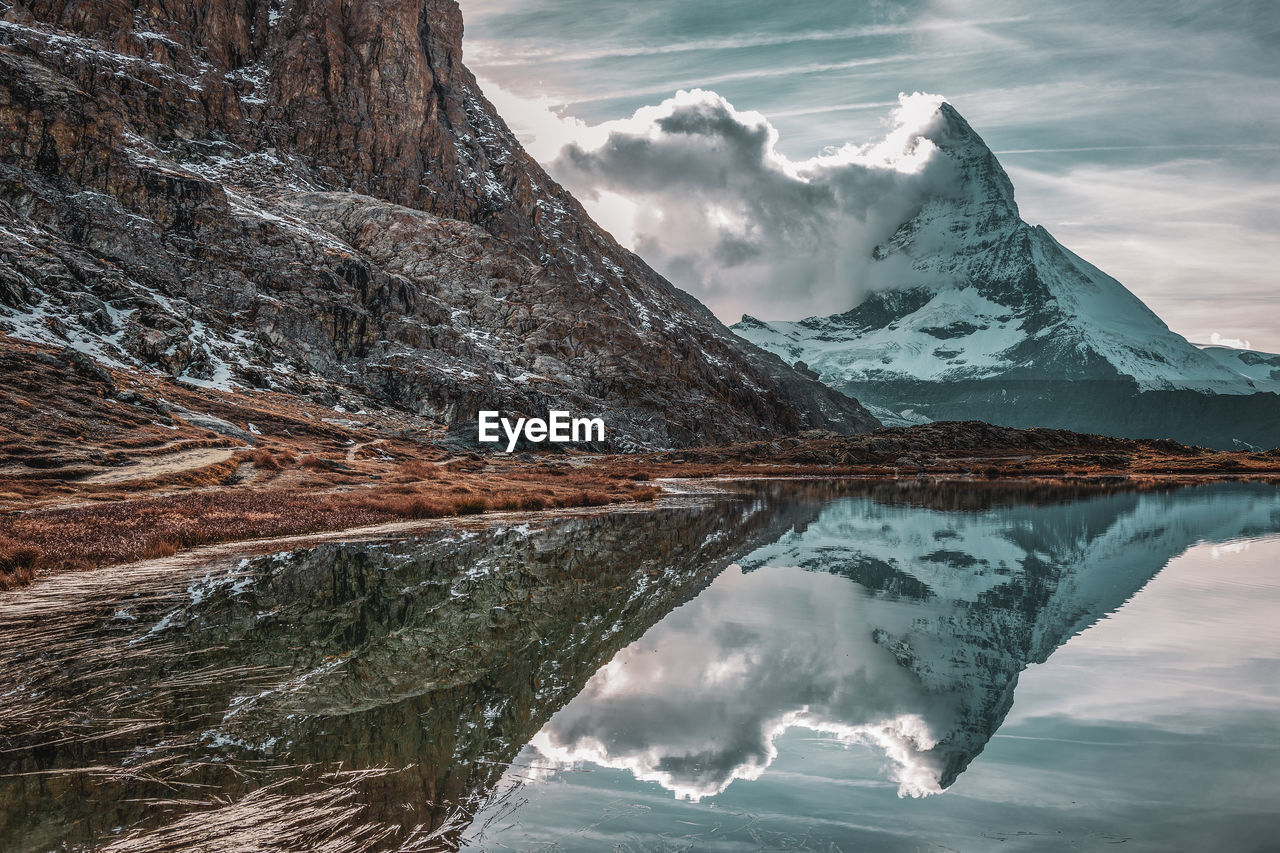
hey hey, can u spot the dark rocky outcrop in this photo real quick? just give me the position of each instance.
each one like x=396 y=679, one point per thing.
x=315 y=195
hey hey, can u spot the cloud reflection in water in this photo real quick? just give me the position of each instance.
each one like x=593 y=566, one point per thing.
x=899 y=627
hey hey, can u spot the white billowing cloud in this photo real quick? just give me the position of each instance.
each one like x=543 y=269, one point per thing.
x=1235 y=343
x=722 y=213
x=700 y=190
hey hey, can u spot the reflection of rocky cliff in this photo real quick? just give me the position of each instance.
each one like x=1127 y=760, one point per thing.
x=356 y=695
x=883 y=622
x=369 y=696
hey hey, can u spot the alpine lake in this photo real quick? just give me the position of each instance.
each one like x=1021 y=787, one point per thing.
x=781 y=665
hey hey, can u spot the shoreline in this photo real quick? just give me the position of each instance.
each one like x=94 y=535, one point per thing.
x=109 y=467
x=674 y=491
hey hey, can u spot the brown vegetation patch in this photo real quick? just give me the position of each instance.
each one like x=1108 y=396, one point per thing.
x=63 y=420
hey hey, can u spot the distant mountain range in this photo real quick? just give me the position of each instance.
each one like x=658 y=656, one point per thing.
x=991 y=318
x=315 y=198
x=1262 y=368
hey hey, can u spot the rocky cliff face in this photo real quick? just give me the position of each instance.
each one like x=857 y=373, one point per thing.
x=990 y=318
x=314 y=196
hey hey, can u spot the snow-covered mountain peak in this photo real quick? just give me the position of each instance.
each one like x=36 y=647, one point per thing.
x=969 y=205
x=978 y=174
x=967 y=309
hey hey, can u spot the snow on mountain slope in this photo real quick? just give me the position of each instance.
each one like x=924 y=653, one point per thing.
x=1262 y=368
x=966 y=290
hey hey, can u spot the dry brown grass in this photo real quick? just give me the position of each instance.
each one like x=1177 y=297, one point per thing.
x=264 y=460
x=411 y=506
x=314 y=463
x=209 y=475
x=17 y=564
x=131 y=530
x=160 y=548
x=471 y=506
x=123 y=528
x=416 y=469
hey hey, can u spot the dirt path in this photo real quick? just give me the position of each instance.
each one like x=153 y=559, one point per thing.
x=171 y=463
x=356 y=448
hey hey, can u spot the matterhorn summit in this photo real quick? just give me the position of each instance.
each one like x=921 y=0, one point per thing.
x=974 y=313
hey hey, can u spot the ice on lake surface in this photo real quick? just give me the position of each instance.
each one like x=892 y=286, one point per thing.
x=799 y=666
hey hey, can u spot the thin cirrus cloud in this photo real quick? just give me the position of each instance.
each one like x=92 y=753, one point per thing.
x=1212 y=248
x=498 y=54
x=789 y=71
x=1141 y=134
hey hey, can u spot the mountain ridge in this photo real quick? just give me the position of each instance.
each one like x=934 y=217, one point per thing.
x=316 y=197
x=989 y=317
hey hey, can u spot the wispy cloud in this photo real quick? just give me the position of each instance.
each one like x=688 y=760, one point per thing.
x=1205 y=146
x=1194 y=238
x=499 y=54
x=669 y=86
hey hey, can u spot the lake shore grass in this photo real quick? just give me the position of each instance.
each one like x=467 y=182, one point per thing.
x=106 y=467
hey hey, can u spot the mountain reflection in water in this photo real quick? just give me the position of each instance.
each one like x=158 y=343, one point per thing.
x=911 y=639
x=372 y=695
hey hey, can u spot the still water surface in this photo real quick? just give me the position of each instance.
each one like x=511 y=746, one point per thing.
x=805 y=666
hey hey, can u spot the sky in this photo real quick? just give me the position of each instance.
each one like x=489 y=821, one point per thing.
x=1145 y=136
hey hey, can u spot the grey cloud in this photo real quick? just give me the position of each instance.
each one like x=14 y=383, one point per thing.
x=722 y=214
